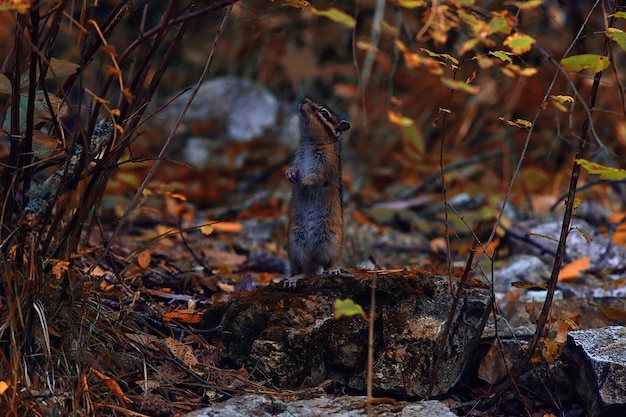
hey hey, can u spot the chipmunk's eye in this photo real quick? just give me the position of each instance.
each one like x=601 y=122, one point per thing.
x=325 y=113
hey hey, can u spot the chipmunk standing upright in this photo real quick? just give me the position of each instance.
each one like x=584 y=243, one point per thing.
x=316 y=209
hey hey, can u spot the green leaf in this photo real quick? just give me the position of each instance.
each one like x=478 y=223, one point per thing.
x=460 y=85
x=413 y=142
x=519 y=44
x=386 y=27
x=468 y=18
x=347 y=308
x=468 y=45
x=605 y=173
x=586 y=61
x=336 y=16
x=619 y=15
x=559 y=102
x=502 y=22
x=618 y=36
x=504 y=56
x=483 y=61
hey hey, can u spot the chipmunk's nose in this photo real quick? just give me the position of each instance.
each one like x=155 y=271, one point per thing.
x=304 y=103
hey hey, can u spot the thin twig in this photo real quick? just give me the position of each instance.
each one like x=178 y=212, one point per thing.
x=560 y=251
x=445 y=335
x=161 y=155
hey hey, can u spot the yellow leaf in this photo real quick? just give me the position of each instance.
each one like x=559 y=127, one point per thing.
x=527 y=72
x=460 y=85
x=521 y=123
x=3 y=387
x=366 y=46
x=336 y=16
x=524 y=5
x=574 y=269
x=20 y=6
x=387 y=28
x=562 y=99
x=398 y=119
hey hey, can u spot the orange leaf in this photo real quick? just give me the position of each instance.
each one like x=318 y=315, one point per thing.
x=112 y=385
x=574 y=269
x=189 y=317
x=143 y=260
x=227 y=227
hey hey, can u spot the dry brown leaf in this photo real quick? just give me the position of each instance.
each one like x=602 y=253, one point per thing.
x=492 y=368
x=614 y=313
x=182 y=352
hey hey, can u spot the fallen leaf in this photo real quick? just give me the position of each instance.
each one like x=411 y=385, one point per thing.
x=574 y=269
x=112 y=385
x=185 y=316
x=143 y=260
x=347 y=308
x=614 y=313
x=492 y=368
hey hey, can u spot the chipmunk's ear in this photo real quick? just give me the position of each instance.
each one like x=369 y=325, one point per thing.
x=342 y=127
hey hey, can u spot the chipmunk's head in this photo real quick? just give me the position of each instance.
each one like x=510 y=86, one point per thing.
x=321 y=121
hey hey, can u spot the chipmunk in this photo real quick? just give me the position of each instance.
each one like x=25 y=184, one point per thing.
x=316 y=209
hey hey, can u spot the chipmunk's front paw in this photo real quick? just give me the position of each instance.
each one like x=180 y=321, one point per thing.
x=337 y=271
x=291 y=174
x=292 y=282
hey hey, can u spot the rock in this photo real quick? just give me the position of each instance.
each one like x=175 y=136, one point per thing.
x=521 y=268
x=601 y=372
x=346 y=406
x=226 y=109
x=583 y=240
x=292 y=338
